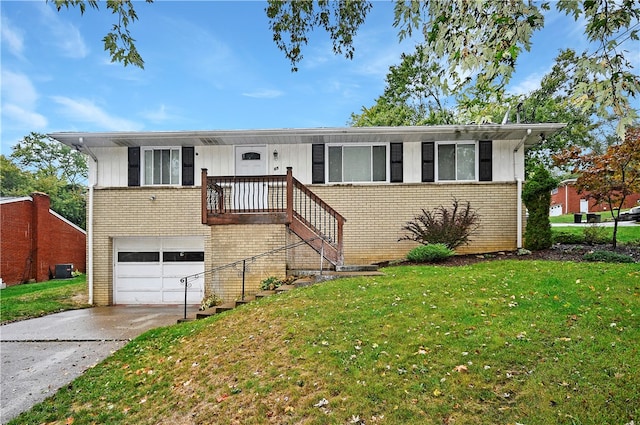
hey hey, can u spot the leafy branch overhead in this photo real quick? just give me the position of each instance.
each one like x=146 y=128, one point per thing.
x=118 y=42
x=474 y=42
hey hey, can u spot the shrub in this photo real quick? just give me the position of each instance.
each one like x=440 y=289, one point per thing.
x=595 y=235
x=451 y=227
x=431 y=253
x=272 y=282
x=210 y=301
x=608 y=257
x=537 y=197
x=568 y=238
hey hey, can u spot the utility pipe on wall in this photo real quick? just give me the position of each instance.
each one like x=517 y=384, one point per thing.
x=519 y=191
x=92 y=182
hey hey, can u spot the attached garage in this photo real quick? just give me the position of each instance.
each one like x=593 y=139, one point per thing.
x=148 y=270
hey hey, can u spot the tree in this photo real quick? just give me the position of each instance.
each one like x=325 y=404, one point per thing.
x=413 y=95
x=536 y=195
x=477 y=40
x=485 y=38
x=609 y=177
x=38 y=163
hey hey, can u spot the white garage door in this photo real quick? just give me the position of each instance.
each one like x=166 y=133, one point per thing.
x=148 y=270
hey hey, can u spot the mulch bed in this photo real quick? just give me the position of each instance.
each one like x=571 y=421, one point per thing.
x=558 y=252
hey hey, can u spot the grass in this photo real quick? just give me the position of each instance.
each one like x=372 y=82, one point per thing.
x=30 y=300
x=625 y=234
x=507 y=341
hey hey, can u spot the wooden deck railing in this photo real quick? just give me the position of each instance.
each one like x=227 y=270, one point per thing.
x=274 y=200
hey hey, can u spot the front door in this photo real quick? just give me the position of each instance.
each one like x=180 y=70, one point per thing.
x=250 y=161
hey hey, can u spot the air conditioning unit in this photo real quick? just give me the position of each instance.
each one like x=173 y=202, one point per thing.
x=64 y=271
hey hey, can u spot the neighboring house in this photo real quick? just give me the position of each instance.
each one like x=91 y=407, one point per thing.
x=35 y=239
x=163 y=205
x=565 y=199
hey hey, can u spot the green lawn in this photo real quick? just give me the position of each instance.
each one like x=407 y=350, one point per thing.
x=501 y=342
x=625 y=234
x=38 y=299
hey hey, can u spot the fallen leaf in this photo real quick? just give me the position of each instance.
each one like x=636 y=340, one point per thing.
x=461 y=368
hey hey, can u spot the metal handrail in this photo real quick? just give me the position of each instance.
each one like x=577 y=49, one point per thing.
x=185 y=280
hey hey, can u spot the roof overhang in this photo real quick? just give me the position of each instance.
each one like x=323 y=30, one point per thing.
x=530 y=134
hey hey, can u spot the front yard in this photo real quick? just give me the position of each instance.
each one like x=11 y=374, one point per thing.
x=30 y=300
x=512 y=341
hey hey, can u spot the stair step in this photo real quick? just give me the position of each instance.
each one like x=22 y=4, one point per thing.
x=357 y=268
x=245 y=301
x=225 y=307
x=284 y=288
x=263 y=294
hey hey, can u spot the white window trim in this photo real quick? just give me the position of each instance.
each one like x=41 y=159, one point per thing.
x=143 y=165
x=387 y=161
x=455 y=143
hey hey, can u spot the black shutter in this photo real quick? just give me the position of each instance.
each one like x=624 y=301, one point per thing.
x=188 y=162
x=396 y=162
x=428 y=161
x=134 y=166
x=485 y=157
x=317 y=163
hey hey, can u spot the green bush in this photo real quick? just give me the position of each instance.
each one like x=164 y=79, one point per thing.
x=608 y=257
x=595 y=235
x=431 y=253
x=568 y=238
x=450 y=226
x=536 y=195
x=272 y=283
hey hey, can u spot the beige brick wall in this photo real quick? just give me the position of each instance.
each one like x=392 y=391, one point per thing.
x=125 y=212
x=231 y=243
x=376 y=213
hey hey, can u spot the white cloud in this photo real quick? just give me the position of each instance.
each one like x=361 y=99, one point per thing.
x=12 y=37
x=19 y=117
x=264 y=94
x=19 y=100
x=84 y=110
x=530 y=83
x=160 y=115
x=64 y=35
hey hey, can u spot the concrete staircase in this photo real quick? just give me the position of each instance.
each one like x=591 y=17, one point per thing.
x=304 y=278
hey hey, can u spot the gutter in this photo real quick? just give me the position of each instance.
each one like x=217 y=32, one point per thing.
x=519 y=224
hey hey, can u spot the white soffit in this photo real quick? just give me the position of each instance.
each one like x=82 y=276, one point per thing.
x=312 y=135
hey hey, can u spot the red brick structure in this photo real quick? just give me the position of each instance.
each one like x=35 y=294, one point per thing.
x=35 y=239
x=566 y=200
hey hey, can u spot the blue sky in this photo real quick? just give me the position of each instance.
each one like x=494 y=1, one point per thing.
x=208 y=65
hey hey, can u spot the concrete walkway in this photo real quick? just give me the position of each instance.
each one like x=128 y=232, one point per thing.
x=39 y=356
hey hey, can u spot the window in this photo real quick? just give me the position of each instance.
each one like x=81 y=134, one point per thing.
x=162 y=166
x=182 y=256
x=456 y=161
x=351 y=163
x=138 y=257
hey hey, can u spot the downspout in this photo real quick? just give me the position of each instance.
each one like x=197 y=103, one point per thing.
x=92 y=182
x=519 y=191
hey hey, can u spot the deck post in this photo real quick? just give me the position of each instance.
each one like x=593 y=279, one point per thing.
x=289 y=194
x=339 y=241
x=204 y=187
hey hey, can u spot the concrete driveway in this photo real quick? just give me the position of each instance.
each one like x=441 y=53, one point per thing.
x=39 y=356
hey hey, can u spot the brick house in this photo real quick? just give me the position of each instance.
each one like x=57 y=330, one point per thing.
x=565 y=199
x=35 y=239
x=163 y=205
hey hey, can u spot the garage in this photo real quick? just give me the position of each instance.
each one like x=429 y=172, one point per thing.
x=148 y=270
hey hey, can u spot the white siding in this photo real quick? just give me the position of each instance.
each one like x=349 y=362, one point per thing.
x=219 y=160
